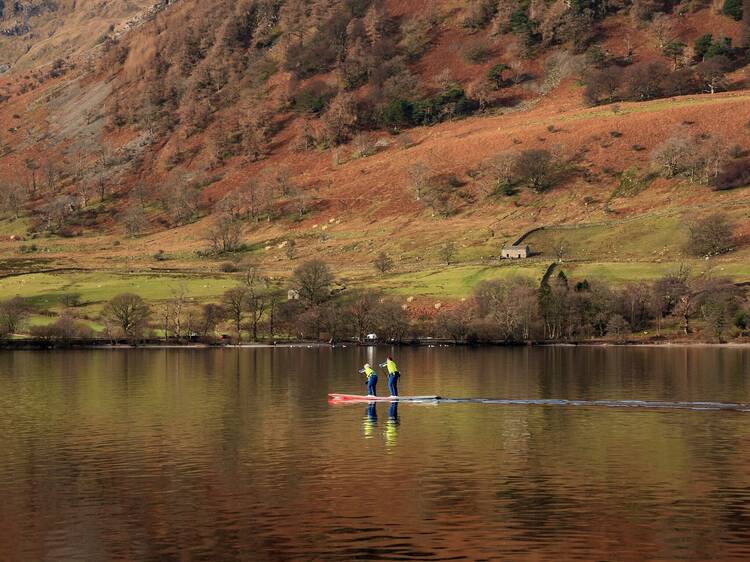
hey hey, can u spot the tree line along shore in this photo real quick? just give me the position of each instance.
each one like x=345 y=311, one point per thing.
x=312 y=307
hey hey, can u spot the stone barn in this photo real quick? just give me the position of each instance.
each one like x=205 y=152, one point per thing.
x=516 y=252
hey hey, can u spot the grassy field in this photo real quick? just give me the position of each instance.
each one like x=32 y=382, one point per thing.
x=453 y=282
x=647 y=237
x=46 y=290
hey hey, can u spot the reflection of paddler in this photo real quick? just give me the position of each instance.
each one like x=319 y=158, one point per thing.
x=370 y=421
x=391 y=426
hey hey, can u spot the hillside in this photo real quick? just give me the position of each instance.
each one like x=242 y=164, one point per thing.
x=350 y=128
x=35 y=33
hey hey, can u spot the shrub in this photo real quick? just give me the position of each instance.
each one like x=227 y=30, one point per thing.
x=13 y=312
x=705 y=47
x=702 y=45
x=477 y=52
x=363 y=146
x=733 y=9
x=71 y=300
x=383 y=263
x=735 y=173
x=449 y=103
x=447 y=253
x=520 y=24
x=495 y=75
x=28 y=249
x=397 y=113
x=314 y=97
x=443 y=106
x=480 y=14
x=596 y=56
x=64 y=329
x=229 y=267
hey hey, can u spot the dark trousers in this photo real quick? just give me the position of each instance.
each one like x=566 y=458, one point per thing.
x=393 y=383
x=371 y=384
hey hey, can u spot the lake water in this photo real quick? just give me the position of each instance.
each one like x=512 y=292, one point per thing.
x=236 y=454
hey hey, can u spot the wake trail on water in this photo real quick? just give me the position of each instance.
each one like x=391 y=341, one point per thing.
x=658 y=405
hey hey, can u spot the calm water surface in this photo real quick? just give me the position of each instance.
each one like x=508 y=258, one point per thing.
x=237 y=455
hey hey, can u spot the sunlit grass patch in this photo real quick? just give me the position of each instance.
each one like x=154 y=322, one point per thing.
x=454 y=281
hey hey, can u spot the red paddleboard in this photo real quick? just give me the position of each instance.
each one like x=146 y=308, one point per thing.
x=360 y=398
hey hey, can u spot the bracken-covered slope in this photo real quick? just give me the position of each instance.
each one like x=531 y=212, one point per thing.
x=35 y=33
x=350 y=127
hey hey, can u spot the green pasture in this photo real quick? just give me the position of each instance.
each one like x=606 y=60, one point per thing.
x=454 y=281
x=648 y=236
x=46 y=290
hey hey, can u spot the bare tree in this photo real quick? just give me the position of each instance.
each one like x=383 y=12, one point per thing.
x=561 y=248
x=12 y=313
x=129 y=312
x=211 y=315
x=225 y=236
x=134 y=221
x=83 y=189
x=235 y=302
x=363 y=310
x=256 y=299
x=13 y=198
x=341 y=120
x=177 y=306
x=502 y=173
x=103 y=160
x=712 y=73
x=418 y=174
x=456 y=323
x=31 y=169
x=537 y=167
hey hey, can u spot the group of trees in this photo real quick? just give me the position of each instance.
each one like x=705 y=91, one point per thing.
x=535 y=168
x=518 y=310
x=512 y=310
x=702 y=159
x=655 y=79
x=700 y=67
x=538 y=169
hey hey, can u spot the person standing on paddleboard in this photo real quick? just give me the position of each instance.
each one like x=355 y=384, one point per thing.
x=393 y=375
x=372 y=379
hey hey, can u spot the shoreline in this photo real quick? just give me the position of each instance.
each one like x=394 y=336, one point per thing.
x=34 y=345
